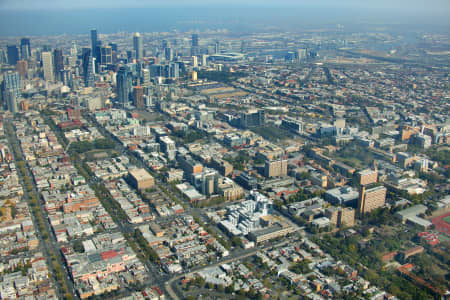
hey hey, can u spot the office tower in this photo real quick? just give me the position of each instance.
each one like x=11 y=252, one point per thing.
x=89 y=71
x=301 y=54
x=168 y=53
x=24 y=52
x=138 y=96
x=65 y=76
x=217 y=47
x=174 y=70
x=11 y=101
x=370 y=199
x=194 y=40
x=275 y=168
x=93 y=39
x=11 y=82
x=138 y=46
x=47 y=64
x=204 y=59
x=165 y=44
x=195 y=61
x=22 y=68
x=25 y=45
x=252 y=118
x=58 y=61
x=195 y=47
x=145 y=78
x=113 y=46
x=13 y=54
x=131 y=55
x=123 y=83
x=3 y=58
x=106 y=55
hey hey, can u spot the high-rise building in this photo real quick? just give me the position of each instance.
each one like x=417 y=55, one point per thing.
x=194 y=40
x=11 y=101
x=124 y=85
x=174 y=70
x=138 y=96
x=89 y=77
x=275 y=168
x=195 y=50
x=168 y=53
x=145 y=78
x=93 y=39
x=25 y=45
x=11 y=82
x=165 y=44
x=13 y=54
x=195 y=61
x=106 y=55
x=138 y=46
x=47 y=64
x=370 y=199
x=58 y=61
x=22 y=68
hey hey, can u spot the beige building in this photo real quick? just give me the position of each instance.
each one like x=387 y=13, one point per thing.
x=367 y=176
x=276 y=168
x=141 y=179
x=370 y=199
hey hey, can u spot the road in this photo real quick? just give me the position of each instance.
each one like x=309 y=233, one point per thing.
x=43 y=244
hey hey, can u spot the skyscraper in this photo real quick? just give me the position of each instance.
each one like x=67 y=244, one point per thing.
x=88 y=67
x=47 y=64
x=124 y=84
x=138 y=46
x=93 y=39
x=195 y=48
x=22 y=68
x=168 y=52
x=106 y=55
x=11 y=82
x=11 y=101
x=194 y=40
x=58 y=62
x=13 y=54
x=25 y=44
x=138 y=96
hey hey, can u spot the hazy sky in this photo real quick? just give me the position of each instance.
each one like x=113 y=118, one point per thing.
x=41 y=17
x=417 y=6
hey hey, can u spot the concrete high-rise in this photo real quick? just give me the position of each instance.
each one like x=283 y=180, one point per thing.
x=47 y=64
x=138 y=46
x=371 y=198
x=275 y=168
x=13 y=54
